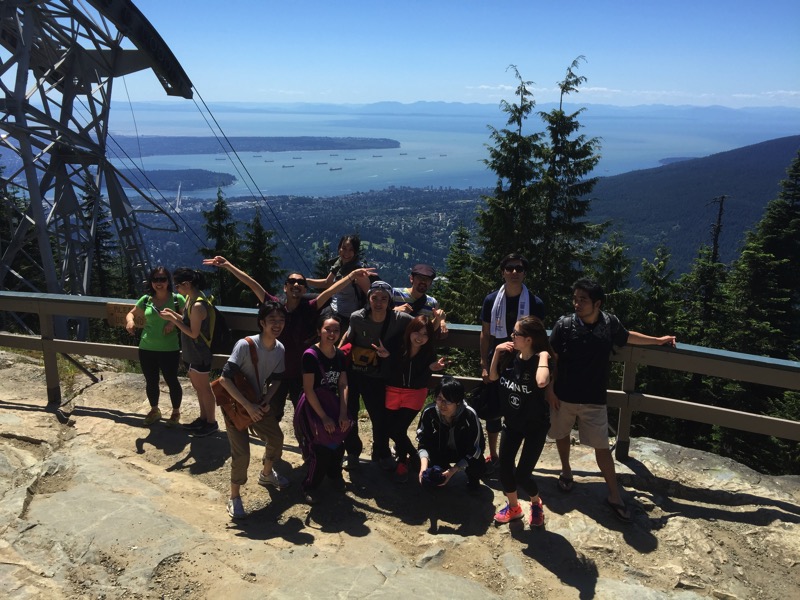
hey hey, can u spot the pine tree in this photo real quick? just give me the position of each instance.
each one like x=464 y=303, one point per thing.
x=323 y=260
x=567 y=237
x=612 y=269
x=506 y=220
x=460 y=290
x=540 y=202
x=763 y=305
x=259 y=260
x=221 y=230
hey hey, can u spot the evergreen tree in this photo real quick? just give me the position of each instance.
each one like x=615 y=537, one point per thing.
x=221 y=230
x=541 y=197
x=323 y=261
x=567 y=237
x=259 y=261
x=763 y=293
x=505 y=222
x=460 y=290
x=106 y=276
x=612 y=269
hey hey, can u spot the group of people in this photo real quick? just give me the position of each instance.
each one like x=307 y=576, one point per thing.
x=362 y=340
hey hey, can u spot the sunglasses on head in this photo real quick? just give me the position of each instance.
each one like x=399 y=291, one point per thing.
x=514 y=269
x=159 y=280
x=292 y=281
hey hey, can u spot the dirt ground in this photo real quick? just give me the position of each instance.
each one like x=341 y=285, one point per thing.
x=689 y=538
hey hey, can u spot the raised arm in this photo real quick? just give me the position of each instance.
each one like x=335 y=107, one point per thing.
x=358 y=275
x=223 y=263
x=322 y=284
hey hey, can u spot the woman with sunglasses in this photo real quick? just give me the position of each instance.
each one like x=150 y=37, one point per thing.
x=159 y=345
x=522 y=369
x=302 y=313
x=450 y=438
x=195 y=330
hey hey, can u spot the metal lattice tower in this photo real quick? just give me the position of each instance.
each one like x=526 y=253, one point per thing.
x=58 y=61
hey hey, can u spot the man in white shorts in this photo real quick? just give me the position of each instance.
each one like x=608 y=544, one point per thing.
x=582 y=343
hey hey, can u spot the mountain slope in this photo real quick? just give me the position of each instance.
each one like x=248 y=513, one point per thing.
x=673 y=203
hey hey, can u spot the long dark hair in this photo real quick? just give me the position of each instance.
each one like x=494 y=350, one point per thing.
x=531 y=327
x=159 y=270
x=355 y=242
x=193 y=276
x=426 y=352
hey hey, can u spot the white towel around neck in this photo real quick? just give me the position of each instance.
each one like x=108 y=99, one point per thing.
x=498 y=323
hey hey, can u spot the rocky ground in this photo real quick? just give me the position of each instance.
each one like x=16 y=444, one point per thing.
x=101 y=507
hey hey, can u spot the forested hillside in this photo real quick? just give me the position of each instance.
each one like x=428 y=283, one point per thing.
x=673 y=203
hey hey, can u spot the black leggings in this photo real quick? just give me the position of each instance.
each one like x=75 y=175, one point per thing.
x=532 y=442
x=154 y=362
x=397 y=422
x=373 y=391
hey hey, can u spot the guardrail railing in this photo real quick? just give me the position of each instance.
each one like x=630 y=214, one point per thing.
x=781 y=374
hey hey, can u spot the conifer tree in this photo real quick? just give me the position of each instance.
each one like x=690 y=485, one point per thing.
x=763 y=295
x=323 y=260
x=259 y=261
x=540 y=202
x=221 y=230
x=612 y=269
x=460 y=290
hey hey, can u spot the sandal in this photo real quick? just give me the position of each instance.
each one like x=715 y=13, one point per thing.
x=565 y=482
x=620 y=511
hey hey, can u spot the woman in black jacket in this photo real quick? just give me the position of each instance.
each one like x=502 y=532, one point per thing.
x=407 y=371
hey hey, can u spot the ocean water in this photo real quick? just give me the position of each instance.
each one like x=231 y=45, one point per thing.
x=440 y=146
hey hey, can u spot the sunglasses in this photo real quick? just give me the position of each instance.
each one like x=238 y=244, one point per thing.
x=159 y=280
x=292 y=281
x=514 y=269
x=516 y=333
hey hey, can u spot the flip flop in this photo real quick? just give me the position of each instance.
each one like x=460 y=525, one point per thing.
x=565 y=483
x=620 y=511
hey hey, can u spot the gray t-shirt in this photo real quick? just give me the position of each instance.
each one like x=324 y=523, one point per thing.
x=364 y=332
x=270 y=361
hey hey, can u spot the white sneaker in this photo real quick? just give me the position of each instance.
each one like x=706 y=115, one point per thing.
x=273 y=479
x=236 y=508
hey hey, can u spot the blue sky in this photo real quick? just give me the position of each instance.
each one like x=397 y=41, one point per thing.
x=731 y=53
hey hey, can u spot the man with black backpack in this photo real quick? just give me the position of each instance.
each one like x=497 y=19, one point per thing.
x=582 y=343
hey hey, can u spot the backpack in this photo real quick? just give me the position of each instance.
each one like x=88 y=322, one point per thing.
x=221 y=338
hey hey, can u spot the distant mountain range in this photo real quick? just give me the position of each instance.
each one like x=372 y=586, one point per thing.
x=674 y=203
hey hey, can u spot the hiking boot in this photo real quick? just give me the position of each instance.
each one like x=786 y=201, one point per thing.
x=236 y=508
x=196 y=424
x=536 y=517
x=153 y=416
x=401 y=473
x=205 y=429
x=508 y=514
x=174 y=420
x=273 y=479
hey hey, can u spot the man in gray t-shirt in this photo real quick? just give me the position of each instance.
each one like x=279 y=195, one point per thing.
x=270 y=353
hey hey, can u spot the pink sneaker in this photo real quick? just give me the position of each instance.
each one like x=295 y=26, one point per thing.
x=508 y=514
x=536 y=518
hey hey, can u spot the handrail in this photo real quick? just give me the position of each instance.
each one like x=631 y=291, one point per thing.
x=737 y=366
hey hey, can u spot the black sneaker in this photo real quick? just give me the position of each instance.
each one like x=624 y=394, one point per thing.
x=205 y=429
x=196 y=424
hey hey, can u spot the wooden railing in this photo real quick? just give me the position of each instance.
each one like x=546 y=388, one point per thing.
x=781 y=374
